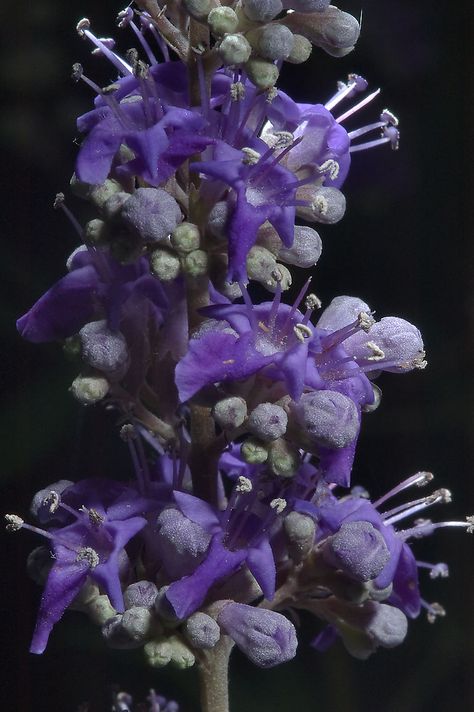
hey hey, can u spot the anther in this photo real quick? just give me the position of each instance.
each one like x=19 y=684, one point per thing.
x=82 y=25
x=89 y=555
x=237 y=91
x=244 y=485
x=312 y=302
x=14 y=522
x=124 y=18
x=435 y=611
x=271 y=94
x=251 y=157
x=389 y=117
x=58 y=201
x=470 y=524
x=283 y=139
x=106 y=42
x=424 y=478
x=95 y=518
x=128 y=432
x=109 y=89
x=302 y=332
x=320 y=205
x=77 y=71
x=331 y=167
x=366 y=321
x=51 y=501
x=377 y=353
x=278 y=504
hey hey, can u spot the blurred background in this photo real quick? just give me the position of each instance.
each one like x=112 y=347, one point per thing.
x=405 y=246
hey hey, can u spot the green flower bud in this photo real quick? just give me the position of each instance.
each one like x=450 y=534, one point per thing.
x=301 y=50
x=254 y=452
x=158 y=652
x=185 y=238
x=222 y=21
x=164 y=265
x=196 y=263
x=261 y=73
x=234 y=49
x=299 y=530
x=96 y=233
x=89 y=389
x=283 y=458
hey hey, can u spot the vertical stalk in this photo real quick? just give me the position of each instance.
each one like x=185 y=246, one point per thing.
x=214 y=677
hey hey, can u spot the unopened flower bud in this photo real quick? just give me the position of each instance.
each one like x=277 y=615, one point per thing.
x=196 y=263
x=262 y=74
x=230 y=412
x=275 y=42
x=260 y=264
x=89 y=389
x=234 y=49
x=128 y=630
x=141 y=593
x=283 y=458
x=169 y=650
x=266 y=637
x=180 y=542
x=342 y=311
x=104 y=349
x=253 y=452
x=262 y=10
x=217 y=221
x=333 y=30
x=152 y=213
x=222 y=21
x=328 y=418
x=185 y=237
x=280 y=277
x=299 y=530
x=305 y=250
x=301 y=50
x=268 y=421
x=327 y=204
x=358 y=549
x=100 y=610
x=388 y=625
x=96 y=233
x=400 y=345
x=164 y=265
x=202 y=631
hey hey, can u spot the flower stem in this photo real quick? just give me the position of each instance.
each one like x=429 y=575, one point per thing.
x=214 y=677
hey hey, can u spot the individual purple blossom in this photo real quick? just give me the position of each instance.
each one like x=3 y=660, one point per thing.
x=91 y=546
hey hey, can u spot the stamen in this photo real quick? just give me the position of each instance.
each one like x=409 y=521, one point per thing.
x=331 y=167
x=237 y=91
x=283 y=139
x=312 y=302
x=278 y=504
x=60 y=204
x=302 y=332
x=84 y=31
x=358 y=106
x=441 y=496
x=14 y=522
x=244 y=485
x=377 y=353
x=420 y=479
x=440 y=570
x=389 y=117
x=251 y=157
x=434 y=611
x=89 y=555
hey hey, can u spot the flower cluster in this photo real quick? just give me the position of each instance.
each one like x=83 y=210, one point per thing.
x=241 y=418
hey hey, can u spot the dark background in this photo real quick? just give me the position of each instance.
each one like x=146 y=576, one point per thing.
x=404 y=246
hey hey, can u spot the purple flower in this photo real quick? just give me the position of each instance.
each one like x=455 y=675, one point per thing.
x=93 y=545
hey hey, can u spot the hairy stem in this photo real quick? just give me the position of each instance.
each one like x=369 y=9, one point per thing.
x=214 y=677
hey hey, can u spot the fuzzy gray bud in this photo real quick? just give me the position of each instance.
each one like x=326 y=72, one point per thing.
x=164 y=265
x=128 y=630
x=299 y=530
x=328 y=418
x=151 y=213
x=301 y=50
x=104 y=349
x=217 y=221
x=141 y=593
x=202 y=631
x=333 y=30
x=268 y=421
x=275 y=42
x=327 y=204
x=96 y=233
x=305 y=250
x=230 y=412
